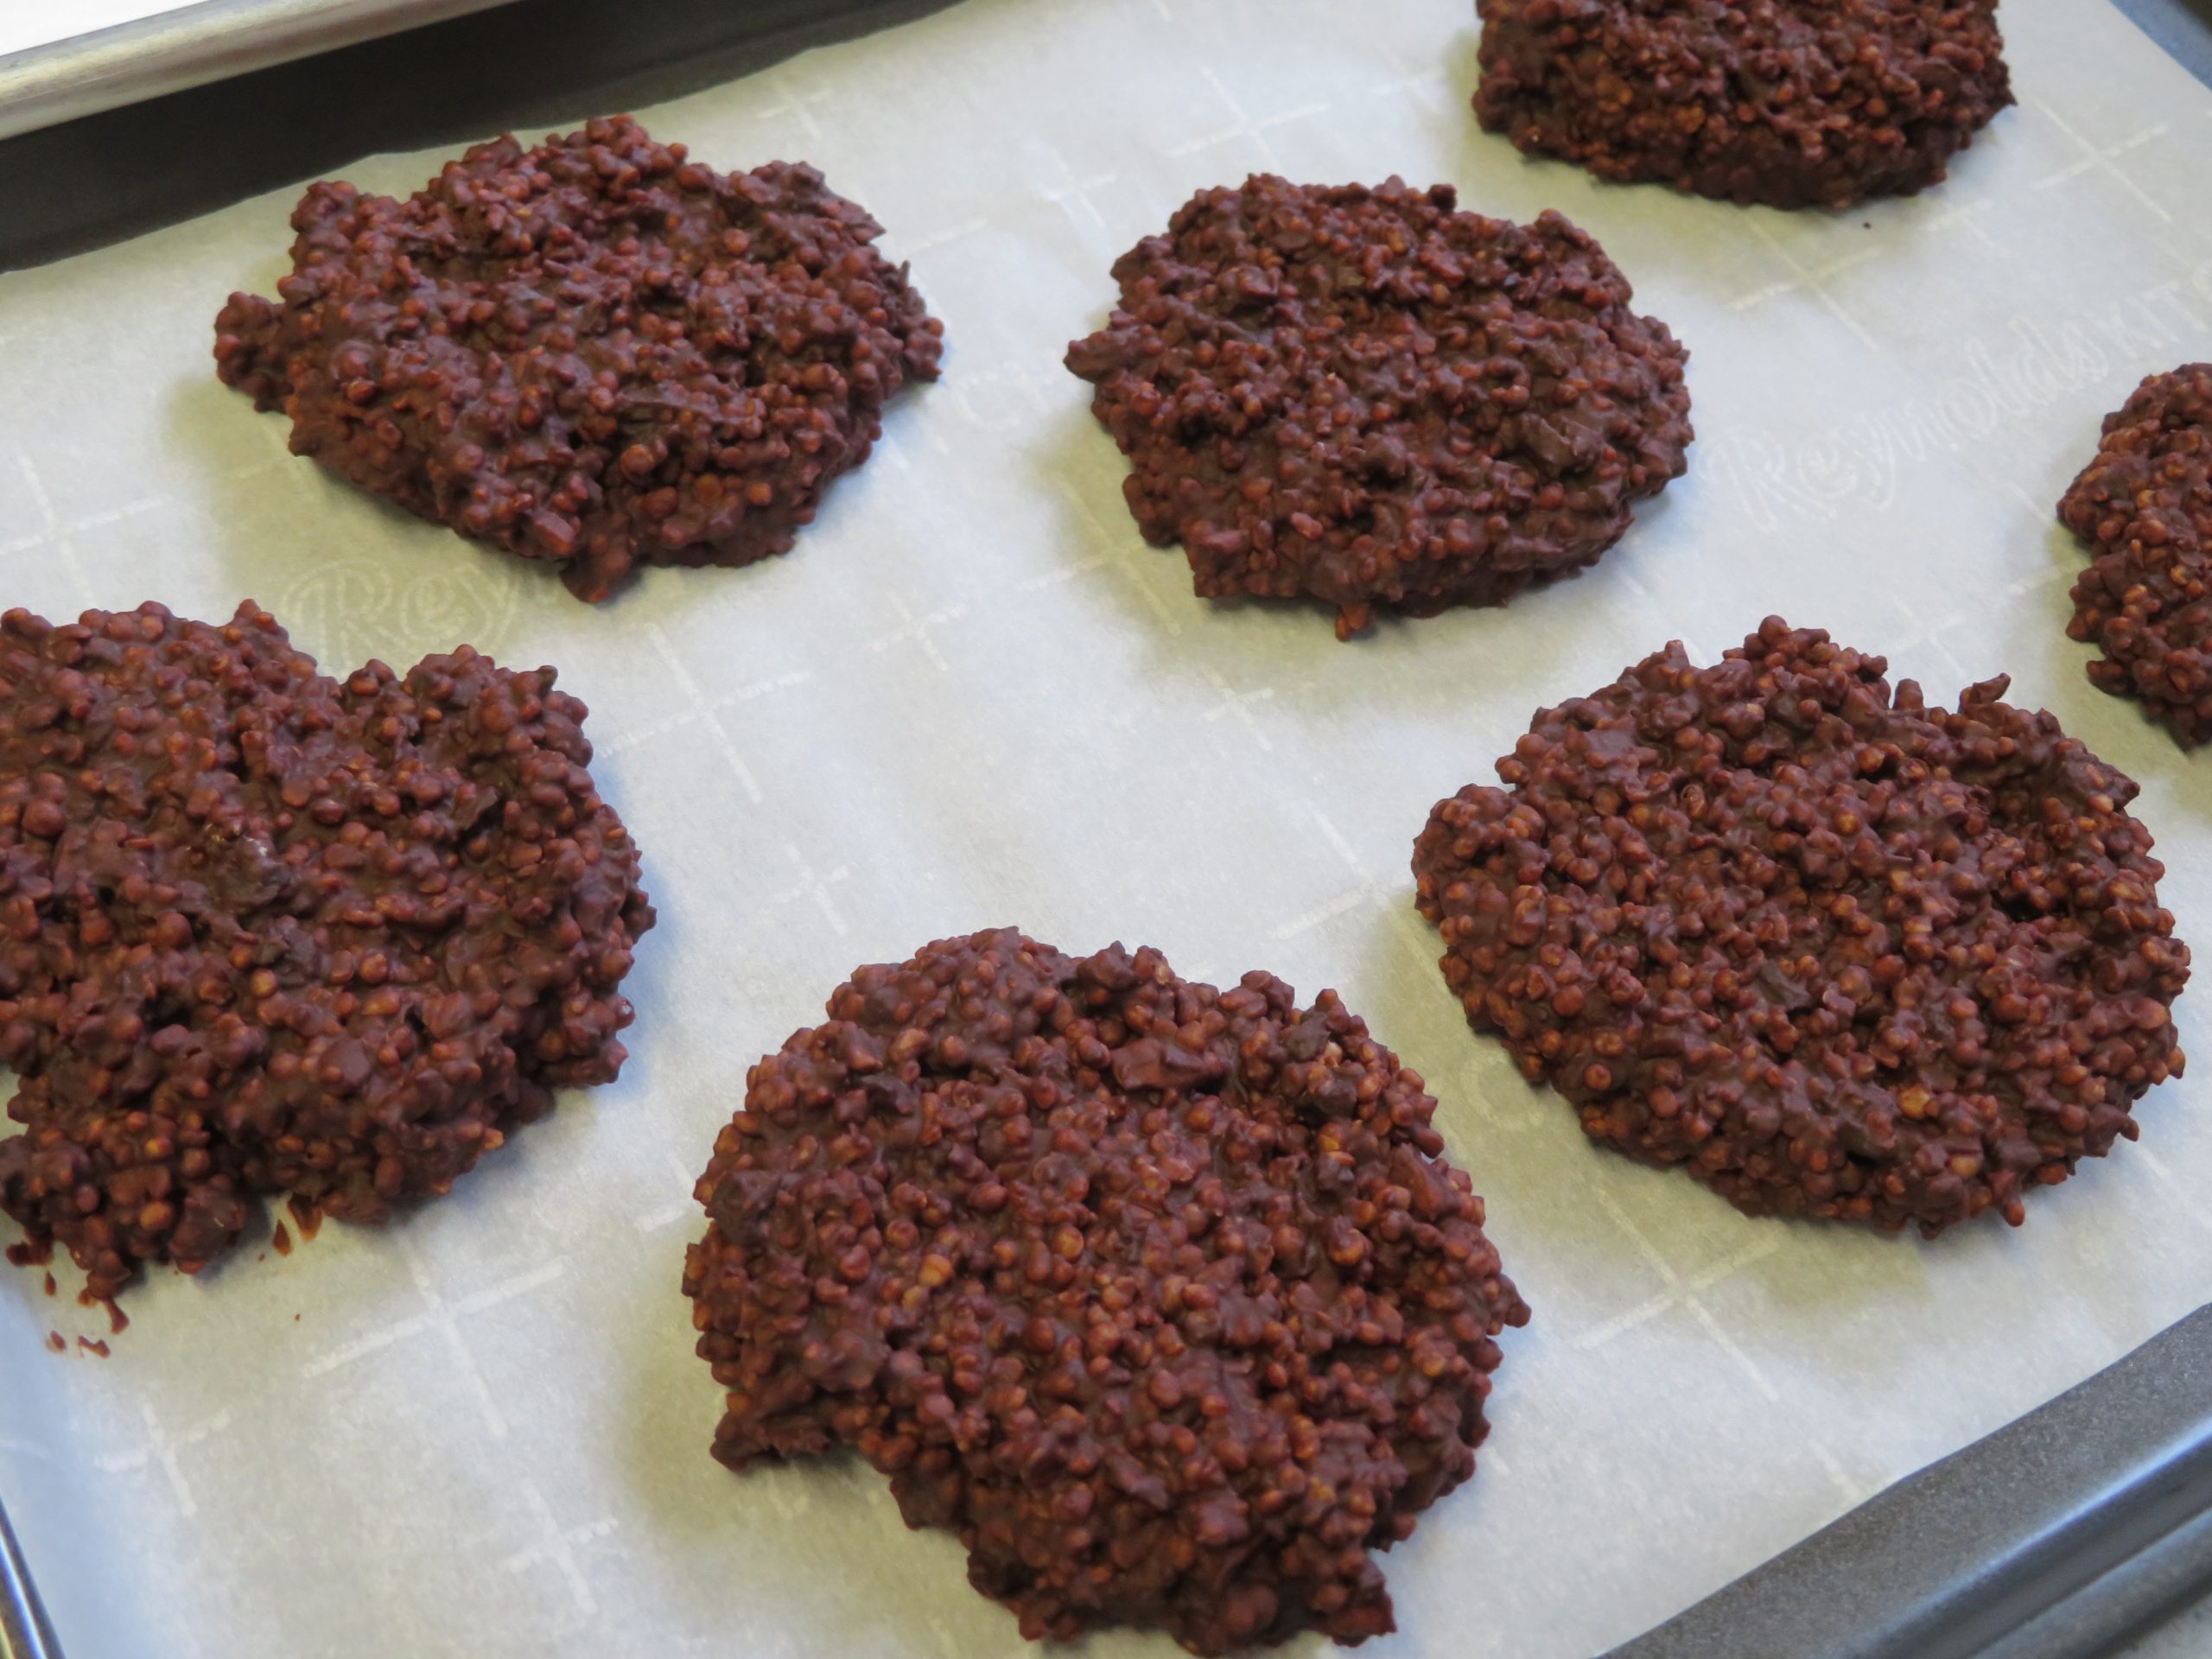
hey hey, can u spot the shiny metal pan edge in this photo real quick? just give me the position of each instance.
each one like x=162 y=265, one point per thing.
x=84 y=74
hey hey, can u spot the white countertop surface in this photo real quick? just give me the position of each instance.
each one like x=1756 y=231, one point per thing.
x=27 y=23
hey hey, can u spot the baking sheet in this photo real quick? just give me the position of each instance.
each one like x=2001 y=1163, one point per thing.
x=2182 y=28
x=972 y=695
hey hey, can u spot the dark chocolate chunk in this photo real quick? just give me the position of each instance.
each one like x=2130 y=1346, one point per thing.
x=1366 y=398
x=1792 y=102
x=2143 y=508
x=597 y=353
x=1835 y=952
x=1162 y=1298
x=263 y=932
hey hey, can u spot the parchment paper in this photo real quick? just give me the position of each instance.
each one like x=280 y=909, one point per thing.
x=972 y=696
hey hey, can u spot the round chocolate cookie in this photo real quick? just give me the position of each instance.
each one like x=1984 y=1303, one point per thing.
x=1162 y=1298
x=1793 y=103
x=1366 y=398
x=1834 y=951
x=596 y=353
x=263 y=931
x=2143 y=508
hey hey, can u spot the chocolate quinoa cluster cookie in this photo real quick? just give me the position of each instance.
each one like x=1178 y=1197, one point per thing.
x=2143 y=508
x=1365 y=397
x=263 y=932
x=596 y=353
x=1836 y=952
x=1162 y=1298
x=1793 y=103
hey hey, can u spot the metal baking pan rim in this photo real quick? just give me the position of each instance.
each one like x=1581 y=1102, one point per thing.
x=45 y=85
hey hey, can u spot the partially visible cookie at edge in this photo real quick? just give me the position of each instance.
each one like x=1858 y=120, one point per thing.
x=1366 y=397
x=1163 y=1299
x=1835 y=952
x=597 y=353
x=1788 y=103
x=264 y=932
x=2142 y=508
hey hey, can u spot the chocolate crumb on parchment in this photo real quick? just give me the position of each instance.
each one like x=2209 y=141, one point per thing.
x=1162 y=1298
x=1834 y=951
x=262 y=930
x=1365 y=397
x=1791 y=103
x=597 y=353
x=2143 y=509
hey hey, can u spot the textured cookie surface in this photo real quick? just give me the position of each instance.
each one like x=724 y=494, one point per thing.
x=1162 y=1298
x=1836 y=952
x=596 y=354
x=1792 y=102
x=1365 y=397
x=2143 y=510
x=264 y=932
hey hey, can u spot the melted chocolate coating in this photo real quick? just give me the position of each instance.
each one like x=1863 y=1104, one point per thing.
x=1792 y=102
x=1162 y=1298
x=2143 y=508
x=1833 y=951
x=596 y=354
x=263 y=932
x=1366 y=398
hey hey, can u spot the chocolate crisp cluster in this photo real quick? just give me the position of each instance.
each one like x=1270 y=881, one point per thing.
x=1834 y=951
x=596 y=354
x=2143 y=508
x=1793 y=103
x=1162 y=1298
x=262 y=930
x=1363 y=397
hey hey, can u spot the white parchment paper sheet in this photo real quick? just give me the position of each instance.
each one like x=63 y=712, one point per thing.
x=972 y=696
